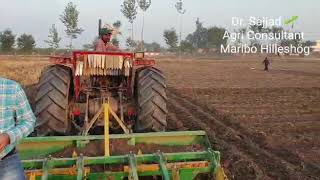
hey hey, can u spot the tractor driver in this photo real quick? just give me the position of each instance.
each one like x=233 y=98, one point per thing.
x=103 y=43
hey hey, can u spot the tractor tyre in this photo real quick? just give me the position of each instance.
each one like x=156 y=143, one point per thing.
x=52 y=101
x=150 y=96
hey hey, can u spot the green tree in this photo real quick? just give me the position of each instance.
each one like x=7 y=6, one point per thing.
x=171 y=39
x=7 y=40
x=309 y=44
x=70 y=19
x=257 y=28
x=152 y=47
x=275 y=29
x=187 y=47
x=242 y=31
x=129 y=10
x=91 y=46
x=115 y=42
x=26 y=43
x=117 y=26
x=199 y=38
x=53 y=38
x=87 y=47
x=215 y=37
x=130 y=43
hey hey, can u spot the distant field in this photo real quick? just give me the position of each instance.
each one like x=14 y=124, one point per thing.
x=266 y=124
x=23 y=70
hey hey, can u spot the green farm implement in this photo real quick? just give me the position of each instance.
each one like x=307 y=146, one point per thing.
x=42 y=158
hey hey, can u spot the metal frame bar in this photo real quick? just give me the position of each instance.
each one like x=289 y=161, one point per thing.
x=40 y=147
x=181 y=161
x=162 y=163
x=133 y=173
x=125 y=54
x=45 y=168
x=102 y=160
x=114 y=136
x=80 y=167
x=106 y=129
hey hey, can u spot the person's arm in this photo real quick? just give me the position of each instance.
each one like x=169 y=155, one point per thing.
x=111 y=47
x=25 y=121
x=100 y=46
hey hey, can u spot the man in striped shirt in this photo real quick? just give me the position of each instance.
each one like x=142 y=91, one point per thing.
x=16 y=122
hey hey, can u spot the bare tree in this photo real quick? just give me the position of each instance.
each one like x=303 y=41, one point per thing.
x=181 y=11
x=144 y=6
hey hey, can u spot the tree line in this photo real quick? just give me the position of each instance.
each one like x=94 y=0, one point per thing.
x=8 y=41
x=26 y=42
x=201 y=38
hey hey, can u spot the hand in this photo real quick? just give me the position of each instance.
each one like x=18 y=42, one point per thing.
x=111 y=47
x=4 y=141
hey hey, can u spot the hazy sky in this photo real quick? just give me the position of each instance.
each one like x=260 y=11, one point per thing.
x=36 y=16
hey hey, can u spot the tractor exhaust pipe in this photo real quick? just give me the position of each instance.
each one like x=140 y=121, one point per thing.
x=99 y=30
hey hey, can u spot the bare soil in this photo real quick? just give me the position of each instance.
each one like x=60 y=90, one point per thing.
x=121 y=147
x=266 y=124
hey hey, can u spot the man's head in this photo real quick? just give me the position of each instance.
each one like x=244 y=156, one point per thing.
x=105 y=34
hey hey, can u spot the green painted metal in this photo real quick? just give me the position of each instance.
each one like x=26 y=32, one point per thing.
x=162 y=163
x=33 y=161
x=114 y=136
x=133 y=167
x=34 y=150
x=80 y=167
x=40 y=147
x=214 y=158
x=101 y=160
x=45 y=168
x=186 y=174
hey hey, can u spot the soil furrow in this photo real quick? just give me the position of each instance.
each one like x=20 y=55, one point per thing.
x=271 y=164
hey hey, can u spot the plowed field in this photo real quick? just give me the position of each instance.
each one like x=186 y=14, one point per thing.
x=266 y=124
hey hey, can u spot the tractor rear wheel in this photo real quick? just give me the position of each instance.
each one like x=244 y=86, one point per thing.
x=52 y=101
x=151 y=99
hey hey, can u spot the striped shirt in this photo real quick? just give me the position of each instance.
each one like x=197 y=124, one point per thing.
x=16 y=116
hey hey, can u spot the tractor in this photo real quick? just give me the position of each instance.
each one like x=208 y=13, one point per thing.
x=103 y=115
x=72 y=90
